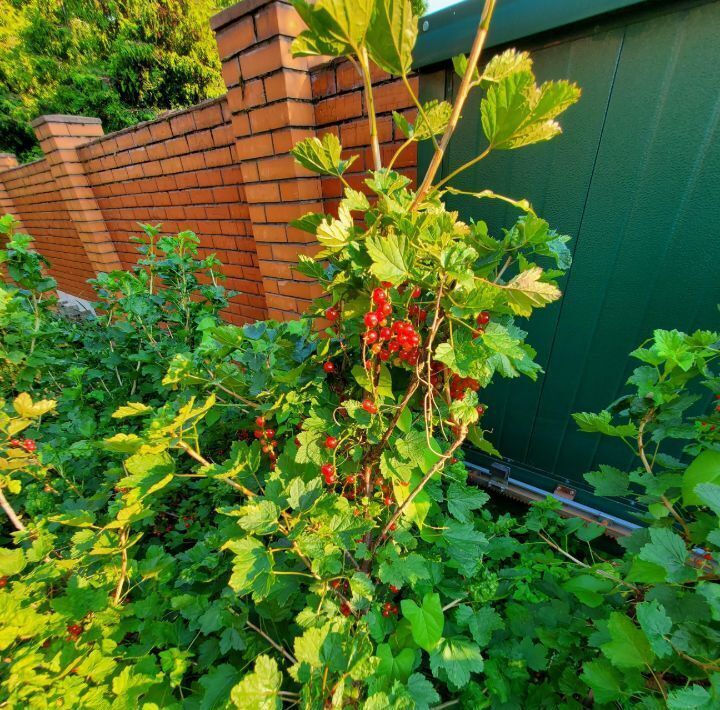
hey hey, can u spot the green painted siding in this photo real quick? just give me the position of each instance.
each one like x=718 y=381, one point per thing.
x=635 y=179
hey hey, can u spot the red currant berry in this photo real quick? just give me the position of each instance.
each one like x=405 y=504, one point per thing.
x=260 y=421
x=385 y=308
x=327 y=469
x=369 y=406
x=329 y=366
x=384 y=355
x=3 y=582
x=332 y=314
x=370 y=319
x=385 y=333
x=331 y=442
x=345 y=609
x=483 y=318
x=29 y=445
x=269 y=433
x=388 y=500
x=15 y=442
x=393 y=346
x=416 y=292
x=379 y=296
x=394 y=589
x=350 y=479
x=371 y=337
x=258 y=433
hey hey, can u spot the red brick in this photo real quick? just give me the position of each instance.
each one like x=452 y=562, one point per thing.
x=287 y=83
x=235 y=38
x=338 y=108
x=278 y=19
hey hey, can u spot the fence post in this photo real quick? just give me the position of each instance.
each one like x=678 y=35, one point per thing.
x=60 y=136
x=270 y=98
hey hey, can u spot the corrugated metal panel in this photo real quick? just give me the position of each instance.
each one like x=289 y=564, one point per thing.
x=635 y=180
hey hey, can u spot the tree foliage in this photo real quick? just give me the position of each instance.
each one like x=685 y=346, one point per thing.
x=123 y=61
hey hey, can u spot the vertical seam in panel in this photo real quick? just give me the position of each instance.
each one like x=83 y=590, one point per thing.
x=577 y=239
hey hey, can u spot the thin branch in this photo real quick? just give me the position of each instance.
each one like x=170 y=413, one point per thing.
x=14 y=519
x=369 y=97
x=272 y=642
x=463 y=91
x=648 y=468
x=123 y=566
x=580 y=563
x=416 y=491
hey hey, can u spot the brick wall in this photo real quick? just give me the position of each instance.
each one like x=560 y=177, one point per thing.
x=222 y=169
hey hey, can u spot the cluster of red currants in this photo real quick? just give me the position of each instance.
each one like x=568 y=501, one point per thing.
x=389 y=609
x=28 y=444
x=460 y=385
x=386 y=337
x=267 y=439
x=75 y=631
x=3 y=582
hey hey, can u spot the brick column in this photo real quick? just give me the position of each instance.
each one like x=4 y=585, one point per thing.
x=270 y=98
x=60 y=137
x=7 y=162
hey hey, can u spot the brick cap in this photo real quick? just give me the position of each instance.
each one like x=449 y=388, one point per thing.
x=240 y=9
x=61 y=118
x=7 y=155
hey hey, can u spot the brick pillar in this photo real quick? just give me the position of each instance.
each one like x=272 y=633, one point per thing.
x=60 y=137
x=270 y=98
x=7 y=162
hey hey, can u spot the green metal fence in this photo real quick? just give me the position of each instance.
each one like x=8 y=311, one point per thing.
x=635 y=179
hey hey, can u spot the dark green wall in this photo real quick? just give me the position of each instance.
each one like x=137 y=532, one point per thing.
x=635 y=179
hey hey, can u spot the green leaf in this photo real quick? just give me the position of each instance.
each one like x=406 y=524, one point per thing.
x=589 y=589
x=628 y=648
x=11 y=561
x=504 y=64
x=709 y=494
x=693 y=697
x=217 y=685
x=601 y=423
x=458 y=658
x=526 y=291
x=705 y=468
x=259 y=690
x=465 y=545
x=426 y=622
x=516 y=112
x=608 y=481
x=422 y=692
x=656 y=624
x=252 y=567
x=608 y=683
x=462 y=499
x=404 y=570
x=174 y=663
x=259 y=518
x=483 y=623
x=391 y=35
x=131 y=409
x=667 y=549
x=395 y=667
x=434 y=122
x=392 y=257
x=673 y=346
x=322 y=156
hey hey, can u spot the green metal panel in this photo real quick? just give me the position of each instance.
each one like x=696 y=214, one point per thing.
x=450 y=31
x=635 y=180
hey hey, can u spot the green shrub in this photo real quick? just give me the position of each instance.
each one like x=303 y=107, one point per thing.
x=219 y=516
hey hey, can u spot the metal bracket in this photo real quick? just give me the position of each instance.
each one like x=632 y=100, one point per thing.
x=499 y=476
x=565 y=492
